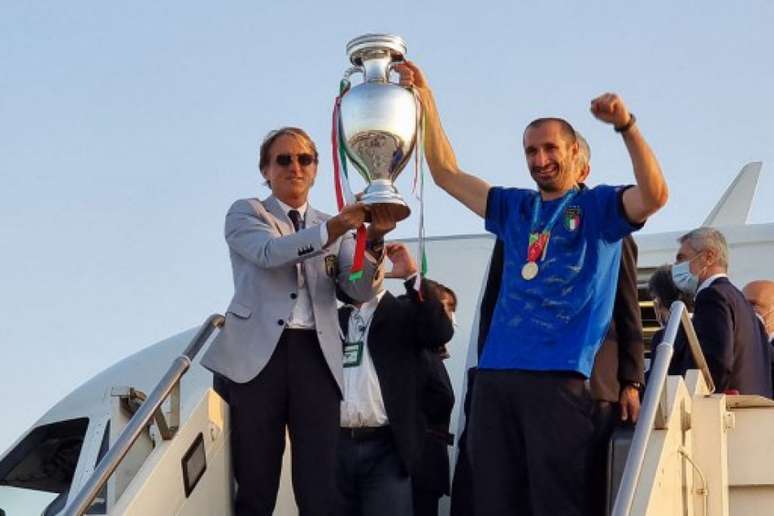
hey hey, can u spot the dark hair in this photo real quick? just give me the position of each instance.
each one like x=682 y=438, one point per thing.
x=449 y=292
x=661 y=286
x=566 y=129
x=433 y=286
x=440 y=290
x=269 y=139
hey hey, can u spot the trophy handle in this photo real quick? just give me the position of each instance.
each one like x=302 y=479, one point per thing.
x=352 y=71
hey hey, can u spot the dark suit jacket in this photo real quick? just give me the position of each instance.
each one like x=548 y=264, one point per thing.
x=732 y=339
x=620 y=359
x=682 y=359
x=437 y=401
x=400 y=329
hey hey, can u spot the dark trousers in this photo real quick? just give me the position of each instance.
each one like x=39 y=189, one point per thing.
x=531 y=439
x=607 y=419
x=425 y=502
x=295 y=389
x=462 y=482
x=370 y=477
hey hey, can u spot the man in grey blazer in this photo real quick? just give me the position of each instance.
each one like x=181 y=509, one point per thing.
x=278 y=359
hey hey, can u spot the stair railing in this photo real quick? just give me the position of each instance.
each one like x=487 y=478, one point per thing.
x=149 y=410
x=654 y=410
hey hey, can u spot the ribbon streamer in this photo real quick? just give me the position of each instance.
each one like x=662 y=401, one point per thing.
x=419 y=188
x=344 y=194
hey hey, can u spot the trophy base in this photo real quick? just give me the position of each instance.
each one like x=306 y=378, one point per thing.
x=382 y=192
x=397 y=208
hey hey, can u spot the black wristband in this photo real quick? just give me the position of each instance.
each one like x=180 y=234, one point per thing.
x=628 y=125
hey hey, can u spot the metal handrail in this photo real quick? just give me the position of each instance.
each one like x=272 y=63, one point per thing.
x=141 y=419
x=653 y=403
x=696 y=352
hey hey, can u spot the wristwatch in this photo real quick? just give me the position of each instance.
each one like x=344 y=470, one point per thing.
x=628 y=125
x=636 y=385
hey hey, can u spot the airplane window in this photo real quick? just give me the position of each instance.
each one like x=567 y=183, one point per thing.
x=40 y=468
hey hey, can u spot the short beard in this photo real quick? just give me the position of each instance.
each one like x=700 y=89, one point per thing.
x=565 y=170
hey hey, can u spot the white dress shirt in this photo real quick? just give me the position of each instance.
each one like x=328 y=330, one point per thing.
x=363 y=405
x=302 y=315
x=707 y=282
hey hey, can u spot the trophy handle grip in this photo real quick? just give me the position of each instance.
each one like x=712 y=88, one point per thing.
x=352 y=71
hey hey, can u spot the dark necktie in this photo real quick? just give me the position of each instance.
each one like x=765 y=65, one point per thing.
x=295 y=217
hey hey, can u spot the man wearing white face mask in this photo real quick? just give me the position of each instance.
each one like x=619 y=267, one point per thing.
x=730 y=335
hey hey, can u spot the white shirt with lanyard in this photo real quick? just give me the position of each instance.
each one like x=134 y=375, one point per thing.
x=363 y=405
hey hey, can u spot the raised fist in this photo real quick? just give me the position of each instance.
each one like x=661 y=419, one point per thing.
x=610 y=108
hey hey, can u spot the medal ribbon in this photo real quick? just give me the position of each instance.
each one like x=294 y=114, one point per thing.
x=539 y=241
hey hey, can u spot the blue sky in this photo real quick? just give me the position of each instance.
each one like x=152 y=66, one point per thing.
x=128 y=128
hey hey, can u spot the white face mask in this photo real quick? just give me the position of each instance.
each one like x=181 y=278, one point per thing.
x=684 y=279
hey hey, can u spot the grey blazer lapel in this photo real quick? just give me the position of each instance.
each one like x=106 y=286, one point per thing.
x=284 y=223
x=313 y=217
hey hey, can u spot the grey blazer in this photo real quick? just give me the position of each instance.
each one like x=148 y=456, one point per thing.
x=264 y=251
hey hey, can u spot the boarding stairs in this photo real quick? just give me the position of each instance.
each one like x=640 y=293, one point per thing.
x=693 y=452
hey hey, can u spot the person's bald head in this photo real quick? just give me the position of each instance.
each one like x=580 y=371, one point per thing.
x=760 y=294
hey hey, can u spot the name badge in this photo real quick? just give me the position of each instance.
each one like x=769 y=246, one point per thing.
x=353 y=353
x=331 y=266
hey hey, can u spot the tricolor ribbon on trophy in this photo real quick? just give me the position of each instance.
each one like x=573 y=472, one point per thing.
x=376 y=126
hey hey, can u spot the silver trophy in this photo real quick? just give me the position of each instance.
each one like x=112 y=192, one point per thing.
x=379 y=119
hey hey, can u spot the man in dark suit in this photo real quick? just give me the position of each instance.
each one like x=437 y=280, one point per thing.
x=381 y=428
x=430 y=479
x=732 y=338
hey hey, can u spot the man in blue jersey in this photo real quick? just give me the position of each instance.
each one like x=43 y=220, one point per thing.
x=531 y=431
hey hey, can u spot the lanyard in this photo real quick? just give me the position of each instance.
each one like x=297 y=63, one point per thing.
x=539 y=241
x=361 y=325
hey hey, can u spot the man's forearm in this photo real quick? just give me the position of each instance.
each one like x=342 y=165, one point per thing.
x=652 y=188
x=438 y=151
x=468 y=189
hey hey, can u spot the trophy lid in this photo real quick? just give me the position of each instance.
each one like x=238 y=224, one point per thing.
x=392 y=43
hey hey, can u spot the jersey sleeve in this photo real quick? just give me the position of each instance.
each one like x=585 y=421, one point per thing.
x=501 y=206
x=613 y=222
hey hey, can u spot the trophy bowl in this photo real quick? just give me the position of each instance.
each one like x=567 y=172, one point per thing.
x=379 y=120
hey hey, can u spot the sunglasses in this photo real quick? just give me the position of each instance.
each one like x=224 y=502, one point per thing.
x=304 y=159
